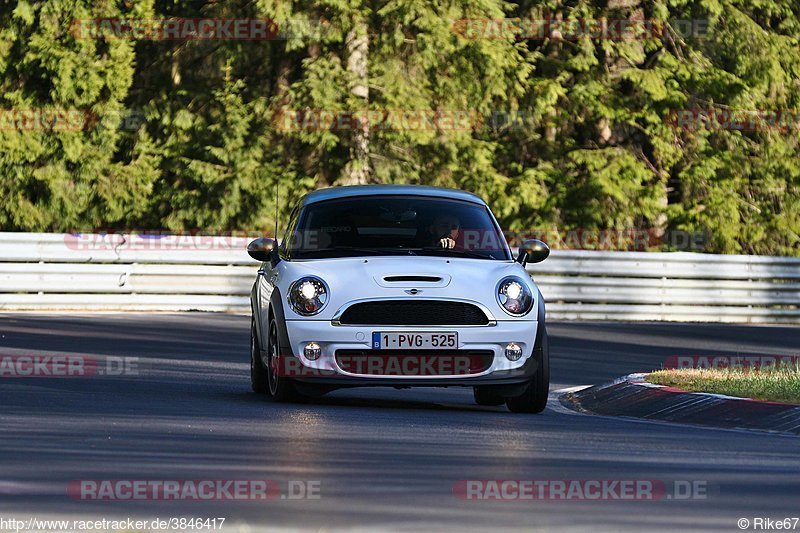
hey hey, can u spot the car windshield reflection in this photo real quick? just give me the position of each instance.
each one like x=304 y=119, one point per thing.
x=396 y=226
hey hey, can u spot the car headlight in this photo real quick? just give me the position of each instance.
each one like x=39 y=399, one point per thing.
x=514 y=296
x=308 y=295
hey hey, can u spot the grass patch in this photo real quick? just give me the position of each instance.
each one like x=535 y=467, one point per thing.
x=768 y=384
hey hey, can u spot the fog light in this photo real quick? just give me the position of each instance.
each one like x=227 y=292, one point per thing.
x=513 y=351
x=312 y=351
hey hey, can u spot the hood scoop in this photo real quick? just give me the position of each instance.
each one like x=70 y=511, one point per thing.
x=421 y=280
x=412 y=279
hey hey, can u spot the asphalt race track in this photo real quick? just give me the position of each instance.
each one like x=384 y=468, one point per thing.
x=383 y=458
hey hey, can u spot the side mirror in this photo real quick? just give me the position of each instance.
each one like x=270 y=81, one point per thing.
x=263 y=249
x=533 y=251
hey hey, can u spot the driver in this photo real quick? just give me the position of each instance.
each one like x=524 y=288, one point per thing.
x=445 y=230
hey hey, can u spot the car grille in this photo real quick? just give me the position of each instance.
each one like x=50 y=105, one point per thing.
x=414 y=313
x=414 y=363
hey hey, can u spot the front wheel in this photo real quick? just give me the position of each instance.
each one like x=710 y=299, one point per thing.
x=280 y=388
x=534 y=399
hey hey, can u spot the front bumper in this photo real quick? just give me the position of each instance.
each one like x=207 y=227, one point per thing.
x=331 y=339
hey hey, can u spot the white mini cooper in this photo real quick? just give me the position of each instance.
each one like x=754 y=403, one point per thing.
x=399 y=286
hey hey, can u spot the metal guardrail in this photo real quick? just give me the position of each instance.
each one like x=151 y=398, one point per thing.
x=42 y=271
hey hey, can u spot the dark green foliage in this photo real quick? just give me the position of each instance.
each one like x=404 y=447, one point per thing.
x=561 y=133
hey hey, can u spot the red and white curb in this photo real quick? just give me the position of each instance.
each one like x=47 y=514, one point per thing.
x=633 y=396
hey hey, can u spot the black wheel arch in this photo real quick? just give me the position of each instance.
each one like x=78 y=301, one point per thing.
x=541 y=328
x=276 y=311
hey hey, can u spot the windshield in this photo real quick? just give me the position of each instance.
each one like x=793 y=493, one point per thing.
x=392 y=225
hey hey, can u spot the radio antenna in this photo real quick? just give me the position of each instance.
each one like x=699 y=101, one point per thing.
x=276 y=211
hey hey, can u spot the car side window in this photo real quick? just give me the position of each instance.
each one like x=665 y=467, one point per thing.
x=285 y=248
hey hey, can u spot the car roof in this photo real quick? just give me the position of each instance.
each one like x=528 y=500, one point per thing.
x=352 y=191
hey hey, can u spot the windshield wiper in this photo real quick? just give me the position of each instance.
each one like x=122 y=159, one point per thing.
x=459 y=252
x=365 y=250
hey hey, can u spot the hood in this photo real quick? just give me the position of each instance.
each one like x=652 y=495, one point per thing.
x=433 y=278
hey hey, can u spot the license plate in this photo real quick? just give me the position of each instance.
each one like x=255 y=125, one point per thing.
x=447 y=340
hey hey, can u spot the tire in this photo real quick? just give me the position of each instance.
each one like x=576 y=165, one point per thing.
x=534 y=399
x=279 y=388
x=258 y=374
x=486 y=396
